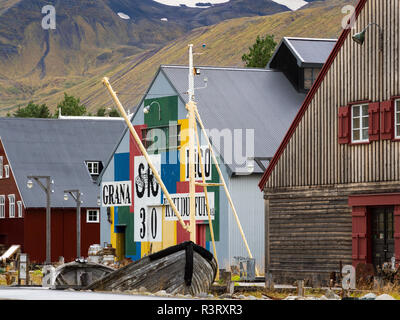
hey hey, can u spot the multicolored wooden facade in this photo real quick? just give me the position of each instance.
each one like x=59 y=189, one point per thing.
x=125 y=220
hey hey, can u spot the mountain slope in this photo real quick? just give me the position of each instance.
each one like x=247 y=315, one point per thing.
x=226 y=43
x=77 y=55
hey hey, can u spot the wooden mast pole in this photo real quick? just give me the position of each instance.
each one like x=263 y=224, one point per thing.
x=224 y=184
x=144 y=151
x=190 y=106
x=207 y=201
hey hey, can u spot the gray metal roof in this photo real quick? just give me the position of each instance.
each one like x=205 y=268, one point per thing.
x=57 y=148
x=242 y=98
x=308 y=51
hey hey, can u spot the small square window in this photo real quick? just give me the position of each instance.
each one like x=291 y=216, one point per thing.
x=93 y=167
x=92 y=216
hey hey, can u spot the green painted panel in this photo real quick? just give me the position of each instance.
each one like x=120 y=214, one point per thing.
x=162 y=111
x=216 y=221
x=126 y=218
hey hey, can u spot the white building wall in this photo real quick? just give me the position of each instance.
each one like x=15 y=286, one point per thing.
x=249 y=204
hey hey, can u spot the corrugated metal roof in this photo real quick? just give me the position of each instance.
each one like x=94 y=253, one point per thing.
x=307 y=51
x=242 y=98
x=57 y=148
x=312 y=50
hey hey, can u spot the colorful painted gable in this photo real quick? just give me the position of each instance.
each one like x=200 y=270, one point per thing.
x=147 y=225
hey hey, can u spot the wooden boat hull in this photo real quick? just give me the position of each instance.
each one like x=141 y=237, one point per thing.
x=78 y=275
x=185 y=268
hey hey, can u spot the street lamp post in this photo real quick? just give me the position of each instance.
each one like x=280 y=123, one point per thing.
x=76 y=195
x=146 y=109
x=46 y=186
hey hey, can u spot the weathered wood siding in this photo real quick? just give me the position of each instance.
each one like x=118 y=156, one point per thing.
x=313 y=155
x=310 y=229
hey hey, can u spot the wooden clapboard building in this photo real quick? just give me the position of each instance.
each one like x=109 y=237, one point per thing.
x=332 y=189
x=69 y=151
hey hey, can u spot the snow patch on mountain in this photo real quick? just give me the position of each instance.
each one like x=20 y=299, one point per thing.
x=189 y=3
x=292 y=4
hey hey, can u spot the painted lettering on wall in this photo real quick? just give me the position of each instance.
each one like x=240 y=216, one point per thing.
x=181 y=201
x=116 y=194
x=147 y=200
x=206 y=161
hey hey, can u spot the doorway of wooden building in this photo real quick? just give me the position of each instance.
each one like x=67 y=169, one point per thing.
x=382 y=225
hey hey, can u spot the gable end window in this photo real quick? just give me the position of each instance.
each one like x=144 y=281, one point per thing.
x=92 y=216
x=2 y=207
x=11 y=208
x=93 y=167
x=397 y=118
x=359 y=123
x=19 y=205
x=6 y=171
x=1 y=167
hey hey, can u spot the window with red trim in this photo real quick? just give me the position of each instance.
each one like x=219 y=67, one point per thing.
x=360 y=123
x=397 y=118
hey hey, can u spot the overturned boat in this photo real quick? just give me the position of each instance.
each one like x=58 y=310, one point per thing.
x=185 y=268
x=79 y=274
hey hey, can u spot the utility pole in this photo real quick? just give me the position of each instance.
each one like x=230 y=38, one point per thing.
x=47 y=189
x=192 y=122
x=76 y=195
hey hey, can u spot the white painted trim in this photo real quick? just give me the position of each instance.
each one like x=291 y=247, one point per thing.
x=361 y=127
x=396 y=124
x=87 y=216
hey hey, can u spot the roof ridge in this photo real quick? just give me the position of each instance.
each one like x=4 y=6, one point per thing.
x=219 y=68
x=311 y=39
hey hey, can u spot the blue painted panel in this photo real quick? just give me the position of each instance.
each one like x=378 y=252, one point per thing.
x=170 y=170
x=121 y=167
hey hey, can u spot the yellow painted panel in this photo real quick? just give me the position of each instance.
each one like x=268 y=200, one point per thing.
x=113 y=234
x=169 y=232
x=184 y=143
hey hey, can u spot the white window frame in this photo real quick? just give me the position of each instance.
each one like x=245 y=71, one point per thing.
x=6 y=171
x=2 y=206
x=19 y=205
x=11 y=205
x=1 y=167
x=90 y=166
x=361 y=128
x=397 y=123
x=97 y=216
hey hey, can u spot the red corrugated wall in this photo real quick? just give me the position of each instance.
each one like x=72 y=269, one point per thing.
x=63 y=234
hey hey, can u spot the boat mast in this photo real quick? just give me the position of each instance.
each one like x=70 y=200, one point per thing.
x=192 y=122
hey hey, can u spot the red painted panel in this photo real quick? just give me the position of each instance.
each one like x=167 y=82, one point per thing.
x=183 y=187
x=387 y=119
x=397 y=232
x=344 y=125
x=384 y=199
x=359 y=235
x=373 y=112
x=183 y=235
x=63 y=234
